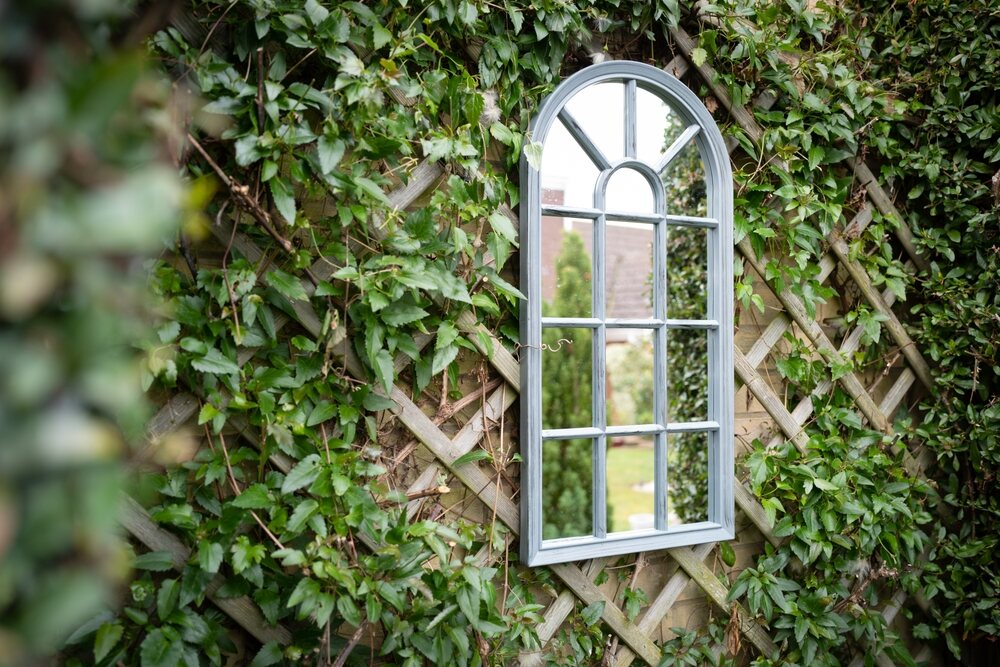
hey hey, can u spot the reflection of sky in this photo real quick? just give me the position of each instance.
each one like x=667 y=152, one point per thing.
x=599 y=110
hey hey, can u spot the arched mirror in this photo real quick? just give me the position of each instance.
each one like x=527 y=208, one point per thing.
x=627 y=371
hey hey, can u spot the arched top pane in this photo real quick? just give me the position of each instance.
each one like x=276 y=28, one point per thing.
x=568 y=175
x=600 y=112
x=684 y=183
x=628 y=191
x=657 y=127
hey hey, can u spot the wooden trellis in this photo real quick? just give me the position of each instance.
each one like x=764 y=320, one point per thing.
x=443 y=453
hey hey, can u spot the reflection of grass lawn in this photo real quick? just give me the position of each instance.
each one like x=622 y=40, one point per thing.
x=628 y=466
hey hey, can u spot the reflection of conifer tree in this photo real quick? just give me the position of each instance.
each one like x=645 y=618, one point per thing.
x=566 y=398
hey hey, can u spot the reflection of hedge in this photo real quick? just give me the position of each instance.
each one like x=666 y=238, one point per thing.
x=686 y=354
x=566 y=399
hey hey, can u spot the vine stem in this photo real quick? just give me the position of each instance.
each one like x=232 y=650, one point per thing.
x=236 y=489
x=242 y=195
x=352 y=642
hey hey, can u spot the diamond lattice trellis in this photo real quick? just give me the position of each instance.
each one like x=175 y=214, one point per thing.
x=432 y=447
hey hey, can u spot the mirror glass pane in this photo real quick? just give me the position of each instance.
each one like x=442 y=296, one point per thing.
x=631 y=483
x=567 y=366
x=567 y=268
x=687 y=273
x=629 y=192
x=657 y=126
x=567 y=488
x=628 y=270
x=687 y=488
x=687 y=375
x=629 y=367
x=600 y=111
x=684 y=184
x=567 y=174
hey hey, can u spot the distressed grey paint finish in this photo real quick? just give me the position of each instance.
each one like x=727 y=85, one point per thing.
x=700 y=129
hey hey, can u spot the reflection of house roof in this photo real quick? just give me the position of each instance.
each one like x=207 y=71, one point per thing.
x=628 y=257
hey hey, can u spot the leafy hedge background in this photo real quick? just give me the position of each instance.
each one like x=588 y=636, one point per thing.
x=124 y=138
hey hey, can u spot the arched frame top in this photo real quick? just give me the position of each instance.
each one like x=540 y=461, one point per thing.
x=701 y=130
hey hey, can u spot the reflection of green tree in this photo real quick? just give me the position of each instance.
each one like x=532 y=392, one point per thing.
x=567 y=465
x=630 y=371
x=684 y=177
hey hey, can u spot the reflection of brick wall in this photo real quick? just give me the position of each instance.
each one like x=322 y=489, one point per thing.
x=629 y=257
x=628 y=271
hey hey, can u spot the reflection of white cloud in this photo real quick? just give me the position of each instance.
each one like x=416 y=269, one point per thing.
x=600 y=111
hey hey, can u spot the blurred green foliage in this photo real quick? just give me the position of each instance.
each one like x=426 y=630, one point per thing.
x=85 y=194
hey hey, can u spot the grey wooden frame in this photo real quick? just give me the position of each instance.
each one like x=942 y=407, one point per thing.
x=700 y=128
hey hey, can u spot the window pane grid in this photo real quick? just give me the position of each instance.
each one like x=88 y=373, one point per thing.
x=611 y=323
x=628 y=429
x=658 y=327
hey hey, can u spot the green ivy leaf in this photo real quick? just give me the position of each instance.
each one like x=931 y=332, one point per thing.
x=159 y=651
x=372 y=189
x=727 y=553
x=592 y=613
x=443 y=357
x=384 y=369
x=215 y=363
x=477 y=454
x=209 y=556
x=376 y=402
x=398 y=314
x=330 y=151
x=254 y=497
x=154 y=561
x=287 y=284
x=269 y=654
x=302 y=513
x=533 y=154
x=502 y=133
x=502 y=225
x=303 y=474
x=284 y=199
x=323 y=412
x=106 y=638
x=166 y=598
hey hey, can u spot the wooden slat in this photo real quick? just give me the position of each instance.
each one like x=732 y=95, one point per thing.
x=794 y=307
x=885 y=206
x=556 y=613
x=653 y=616
x=850 y=344
x=241 y=609
x=763 y=393
x=502 y=360
x=891 y=323
x=697 y=570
